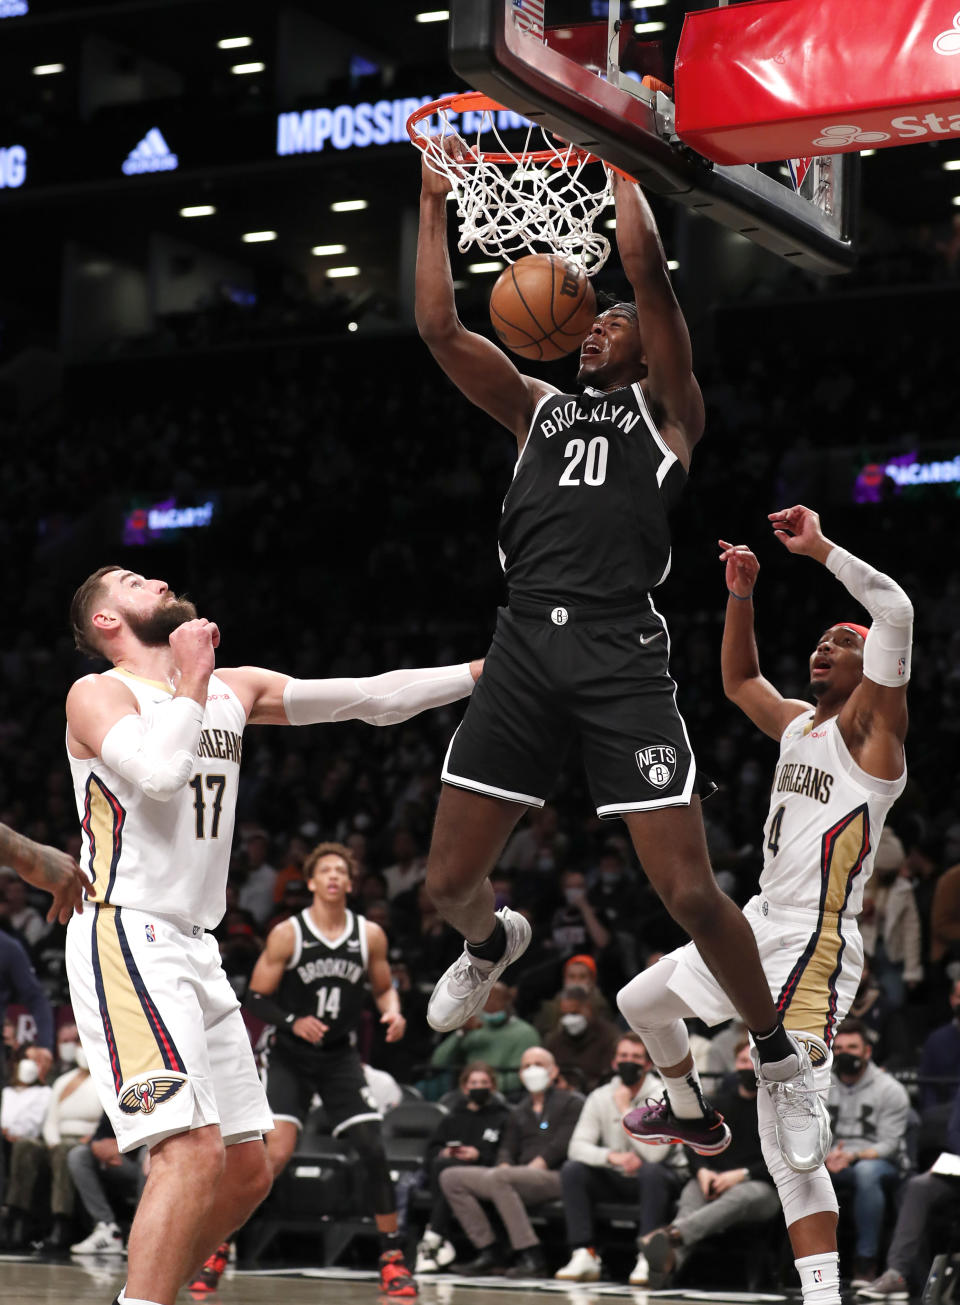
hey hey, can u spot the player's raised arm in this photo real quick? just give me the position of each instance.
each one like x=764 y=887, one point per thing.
x=873 y=720
x=479 y=369
x=270 y=698
x=670 y=382
x=739 y=660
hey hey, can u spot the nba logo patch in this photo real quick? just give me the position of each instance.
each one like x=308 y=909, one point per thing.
x=151 y=935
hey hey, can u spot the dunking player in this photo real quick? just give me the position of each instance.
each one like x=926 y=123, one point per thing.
x=154 y=746
x=841 y=768
x=580 y=649
x=311 y=982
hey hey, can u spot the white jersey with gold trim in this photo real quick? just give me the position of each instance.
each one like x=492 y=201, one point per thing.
x=826 y=813
x=170 y=857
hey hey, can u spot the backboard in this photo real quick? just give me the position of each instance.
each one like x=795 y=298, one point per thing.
x=577 y=67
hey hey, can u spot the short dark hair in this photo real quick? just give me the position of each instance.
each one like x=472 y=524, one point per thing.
x=854 y=1026
x=630 y=1036
x=477 y=1067
x=331 y=849
x=81 y=611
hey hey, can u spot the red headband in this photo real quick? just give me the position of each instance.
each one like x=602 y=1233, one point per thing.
x=857 y=629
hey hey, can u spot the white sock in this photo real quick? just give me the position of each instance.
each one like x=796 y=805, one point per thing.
x=685 y=1094
x=820 y=1278
x=121 y=1295
x=139 y=1300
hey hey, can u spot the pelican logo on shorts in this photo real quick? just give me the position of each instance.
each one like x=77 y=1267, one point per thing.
x=143 y=1096
x=559 y=616
x=814 y=1047
x=658 y=765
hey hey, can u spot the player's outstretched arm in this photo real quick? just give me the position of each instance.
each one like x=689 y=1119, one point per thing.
x=478 y=368
x=743 y=683
x=873 y=721
x=47 y=868
x=381 y=983
x=663 y=331
x=270 y=698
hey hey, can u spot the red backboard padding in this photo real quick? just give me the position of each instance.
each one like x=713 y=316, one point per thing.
x=780 y=79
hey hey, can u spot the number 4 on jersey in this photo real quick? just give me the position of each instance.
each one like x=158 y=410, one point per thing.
x=773 y=838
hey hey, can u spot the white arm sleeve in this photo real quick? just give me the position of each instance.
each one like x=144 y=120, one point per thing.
x=886 y=652
x=378 y=699
x=159 y=757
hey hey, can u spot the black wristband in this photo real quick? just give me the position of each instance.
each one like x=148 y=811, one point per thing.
x=265 y=1008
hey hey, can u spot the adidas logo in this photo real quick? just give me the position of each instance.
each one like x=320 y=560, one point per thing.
x=151 y=155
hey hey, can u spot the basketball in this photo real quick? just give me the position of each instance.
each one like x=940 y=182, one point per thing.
x=542 y=306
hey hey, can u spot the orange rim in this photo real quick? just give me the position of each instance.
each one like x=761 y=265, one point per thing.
x=480 y=103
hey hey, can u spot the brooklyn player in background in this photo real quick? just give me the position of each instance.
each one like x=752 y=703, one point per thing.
x=311 y=983
x=580 y=649
x=841 y=768
x=154 y=746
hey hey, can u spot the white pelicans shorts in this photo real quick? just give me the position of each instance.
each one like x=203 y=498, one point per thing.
x=161 y=1027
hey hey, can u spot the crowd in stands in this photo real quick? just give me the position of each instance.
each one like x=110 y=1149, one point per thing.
x=359 y=503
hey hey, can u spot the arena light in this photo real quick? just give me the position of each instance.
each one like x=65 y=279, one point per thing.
x=198 y=210
x=348 y=205
x=243 y=69
x=322 y=251
x=352 y=326
x=611 y=224
x=645 y=29
x=484 y=267
x=338 y=273
x=951 y=165
x=648 y=4
x=433 y=16
x=865 y=154
x=48 y=69
x=258 y=237
x=234 y=42
x=956 y=201
x=672 y=264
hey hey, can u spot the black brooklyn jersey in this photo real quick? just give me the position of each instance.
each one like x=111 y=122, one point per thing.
x=585 y=519
x=327 y=978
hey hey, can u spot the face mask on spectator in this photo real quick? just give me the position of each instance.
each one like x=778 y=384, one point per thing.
x=575 y=1025
x=535 y=1078
x=493 y=1017
x=747 y=1079
x=573 y=895
x=845 y=1062
x=68 y=1052
x=630 y=1072
x=609 y=878
x=27 y=1072
x=81 y=1058
x=479 y=1096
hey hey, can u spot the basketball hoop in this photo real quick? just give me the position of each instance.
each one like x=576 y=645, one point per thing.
x=513 y=203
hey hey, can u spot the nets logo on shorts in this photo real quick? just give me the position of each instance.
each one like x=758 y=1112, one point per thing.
x=146 y=1094
x=658 y=765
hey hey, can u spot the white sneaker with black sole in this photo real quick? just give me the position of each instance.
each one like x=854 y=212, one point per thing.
x=465 y=986
x=803 y=1125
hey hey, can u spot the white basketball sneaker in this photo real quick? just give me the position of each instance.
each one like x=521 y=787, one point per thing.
x=465 y=986
x=584 y=1266
x=803 y=1125
x=104 y=1240
x=641 y=1272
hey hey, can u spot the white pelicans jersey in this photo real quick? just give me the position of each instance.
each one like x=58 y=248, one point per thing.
x=824 y=824
x=172 y=857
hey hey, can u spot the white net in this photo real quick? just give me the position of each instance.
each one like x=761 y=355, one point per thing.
x=510 y=209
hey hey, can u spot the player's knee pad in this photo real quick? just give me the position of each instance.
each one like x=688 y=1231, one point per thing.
x=800 y=1194
x=366 y=1139
x=656 y=1014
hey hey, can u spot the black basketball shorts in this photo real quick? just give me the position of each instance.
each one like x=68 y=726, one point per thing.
x=554 y=675
x=337 y=1077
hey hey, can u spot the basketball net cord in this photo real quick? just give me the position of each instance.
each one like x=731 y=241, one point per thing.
x=524 y=206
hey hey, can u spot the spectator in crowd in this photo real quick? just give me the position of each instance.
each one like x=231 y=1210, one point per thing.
x=582 y=1039
x=468 y=1135
x=575 y=926
x=538 y=847
x=615 y=898
x=527 y=1173
x=497 y=1037
x=940 y=1058
x=424 y=936
x=945 y=919
x=25 y=921
x=18 y=980
x=908 y=1258
x=872 y=1007
x=606 y=1164
x=869 y=1111
x=296 y=897
x=404 y=1059
x=72 y=1116
x=728 y=1190
x=103 y=1177
x=410 y=867
x=578 y=972
x=298 y=849
x=23 y=1108
x=256 y=893
x=890 y=922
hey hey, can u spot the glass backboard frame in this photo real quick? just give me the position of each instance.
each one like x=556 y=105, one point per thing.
x=632 y=128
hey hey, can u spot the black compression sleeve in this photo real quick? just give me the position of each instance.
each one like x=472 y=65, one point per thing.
x=265 y=1008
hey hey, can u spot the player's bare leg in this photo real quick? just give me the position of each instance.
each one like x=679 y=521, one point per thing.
x=245 y=1182
x=178 y=1197
x=281 y=1144
x=469 y=834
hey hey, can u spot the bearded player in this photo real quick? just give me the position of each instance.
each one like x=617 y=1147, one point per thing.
x=841 y=768
x=154 y=746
